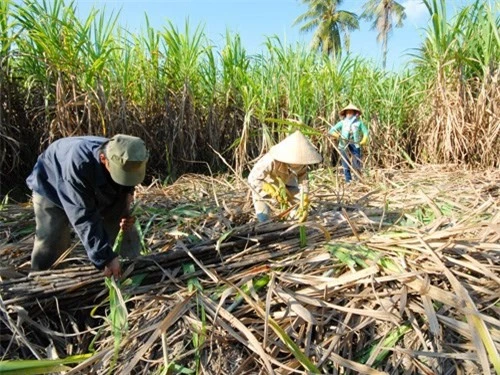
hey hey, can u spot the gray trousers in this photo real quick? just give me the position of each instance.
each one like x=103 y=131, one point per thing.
x=52 y=235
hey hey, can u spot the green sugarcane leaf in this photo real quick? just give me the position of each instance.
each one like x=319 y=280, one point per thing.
x=389 y=342
x=117 y=246
x=294 y=349
x=303 y=236
x=257 y=284
x=41 y=366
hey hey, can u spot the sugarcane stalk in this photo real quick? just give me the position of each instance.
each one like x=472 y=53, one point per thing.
x=82 y=281
x=303 y=212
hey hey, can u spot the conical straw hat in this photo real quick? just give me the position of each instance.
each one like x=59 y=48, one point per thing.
x=351 y=107
x=295 y=149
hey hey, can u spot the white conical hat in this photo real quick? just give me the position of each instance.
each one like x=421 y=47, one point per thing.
x=351 y=107
x=295 y=149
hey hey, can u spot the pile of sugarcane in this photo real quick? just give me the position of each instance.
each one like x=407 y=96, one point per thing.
x=399 y=274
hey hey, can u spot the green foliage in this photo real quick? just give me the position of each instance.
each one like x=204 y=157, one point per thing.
x=305 y=361
x=175 y=89
x=4 y=202
x=302 y=236
x=199 y=334
x=382 y=13
x=328 y=24
x=42 y=366
x=193 y=282
x=380 y=349
x=6 y=29
x=470 y=41
x=118 y=315
x=354 y=256
x=425 y=214
x=257 y=284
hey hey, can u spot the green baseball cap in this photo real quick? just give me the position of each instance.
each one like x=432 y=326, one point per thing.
x=127 y=156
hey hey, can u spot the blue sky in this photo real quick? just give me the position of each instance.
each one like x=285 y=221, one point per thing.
x=253 y=20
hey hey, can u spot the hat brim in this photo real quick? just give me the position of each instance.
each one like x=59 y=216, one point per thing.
x=342 y=113
x=132 y=173
x=295 y=149
x=295 y=158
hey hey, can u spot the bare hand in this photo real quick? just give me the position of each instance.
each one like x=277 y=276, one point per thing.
x=127 y=222
x=113 y=268
x=130 y=199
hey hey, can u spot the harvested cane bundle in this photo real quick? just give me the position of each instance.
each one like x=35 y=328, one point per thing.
x=408 y=279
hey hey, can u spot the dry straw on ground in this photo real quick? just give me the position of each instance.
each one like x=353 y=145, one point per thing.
x=400 y=275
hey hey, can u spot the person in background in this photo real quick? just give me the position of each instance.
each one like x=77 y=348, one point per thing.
x=352 y=134
x=87 y=183
x=284 y=165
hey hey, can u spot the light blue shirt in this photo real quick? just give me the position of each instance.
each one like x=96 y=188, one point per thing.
x=351 y=131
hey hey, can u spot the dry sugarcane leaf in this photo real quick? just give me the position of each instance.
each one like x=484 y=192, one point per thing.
x=170 y=319
x=351 y=309
x=295 y=306
x=254 y=343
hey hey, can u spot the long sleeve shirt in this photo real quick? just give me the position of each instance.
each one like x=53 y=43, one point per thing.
x=69 y=173
x=351 y=131
x=269 y=170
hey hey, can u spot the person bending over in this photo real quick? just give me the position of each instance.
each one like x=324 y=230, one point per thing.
x=284 y=167
x=87 y=183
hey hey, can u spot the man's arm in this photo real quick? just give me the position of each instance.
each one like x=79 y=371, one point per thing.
x=259 y=172
x=79 y=204
x=256 y=180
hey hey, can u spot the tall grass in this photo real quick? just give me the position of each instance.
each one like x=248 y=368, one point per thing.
x=10 y=101
x=458 y=63
x=67 y=75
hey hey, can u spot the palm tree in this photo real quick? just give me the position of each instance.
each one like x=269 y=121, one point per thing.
x=383 y=13
x=328 y=23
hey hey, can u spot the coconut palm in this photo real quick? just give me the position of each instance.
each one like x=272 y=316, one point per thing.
x=328 y=23
x=383 y=13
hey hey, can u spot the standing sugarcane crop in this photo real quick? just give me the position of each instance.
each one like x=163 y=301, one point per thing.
x=353 y=134
x=281 y=173
x=88 y=183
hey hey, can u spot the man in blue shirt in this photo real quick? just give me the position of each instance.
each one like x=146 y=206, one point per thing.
x=87 y=183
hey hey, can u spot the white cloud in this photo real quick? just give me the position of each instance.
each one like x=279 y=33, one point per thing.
x=416 y=11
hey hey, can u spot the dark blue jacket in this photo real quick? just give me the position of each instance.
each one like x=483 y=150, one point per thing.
x=70 y=174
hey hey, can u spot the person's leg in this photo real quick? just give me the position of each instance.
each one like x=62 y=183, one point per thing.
x=356 y=159
x=52 y=234
x=344 y=157
x=262 y=210
x=131 y=243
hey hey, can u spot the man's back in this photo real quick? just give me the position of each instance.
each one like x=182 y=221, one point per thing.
x=73 y=162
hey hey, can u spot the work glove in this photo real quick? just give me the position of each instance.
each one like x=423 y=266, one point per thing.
x=275 y=192
x=262 y=217
x=363 y=141
x=269 y=189
x=335 y=135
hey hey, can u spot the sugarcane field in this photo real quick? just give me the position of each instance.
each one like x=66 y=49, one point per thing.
x=170 y=206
